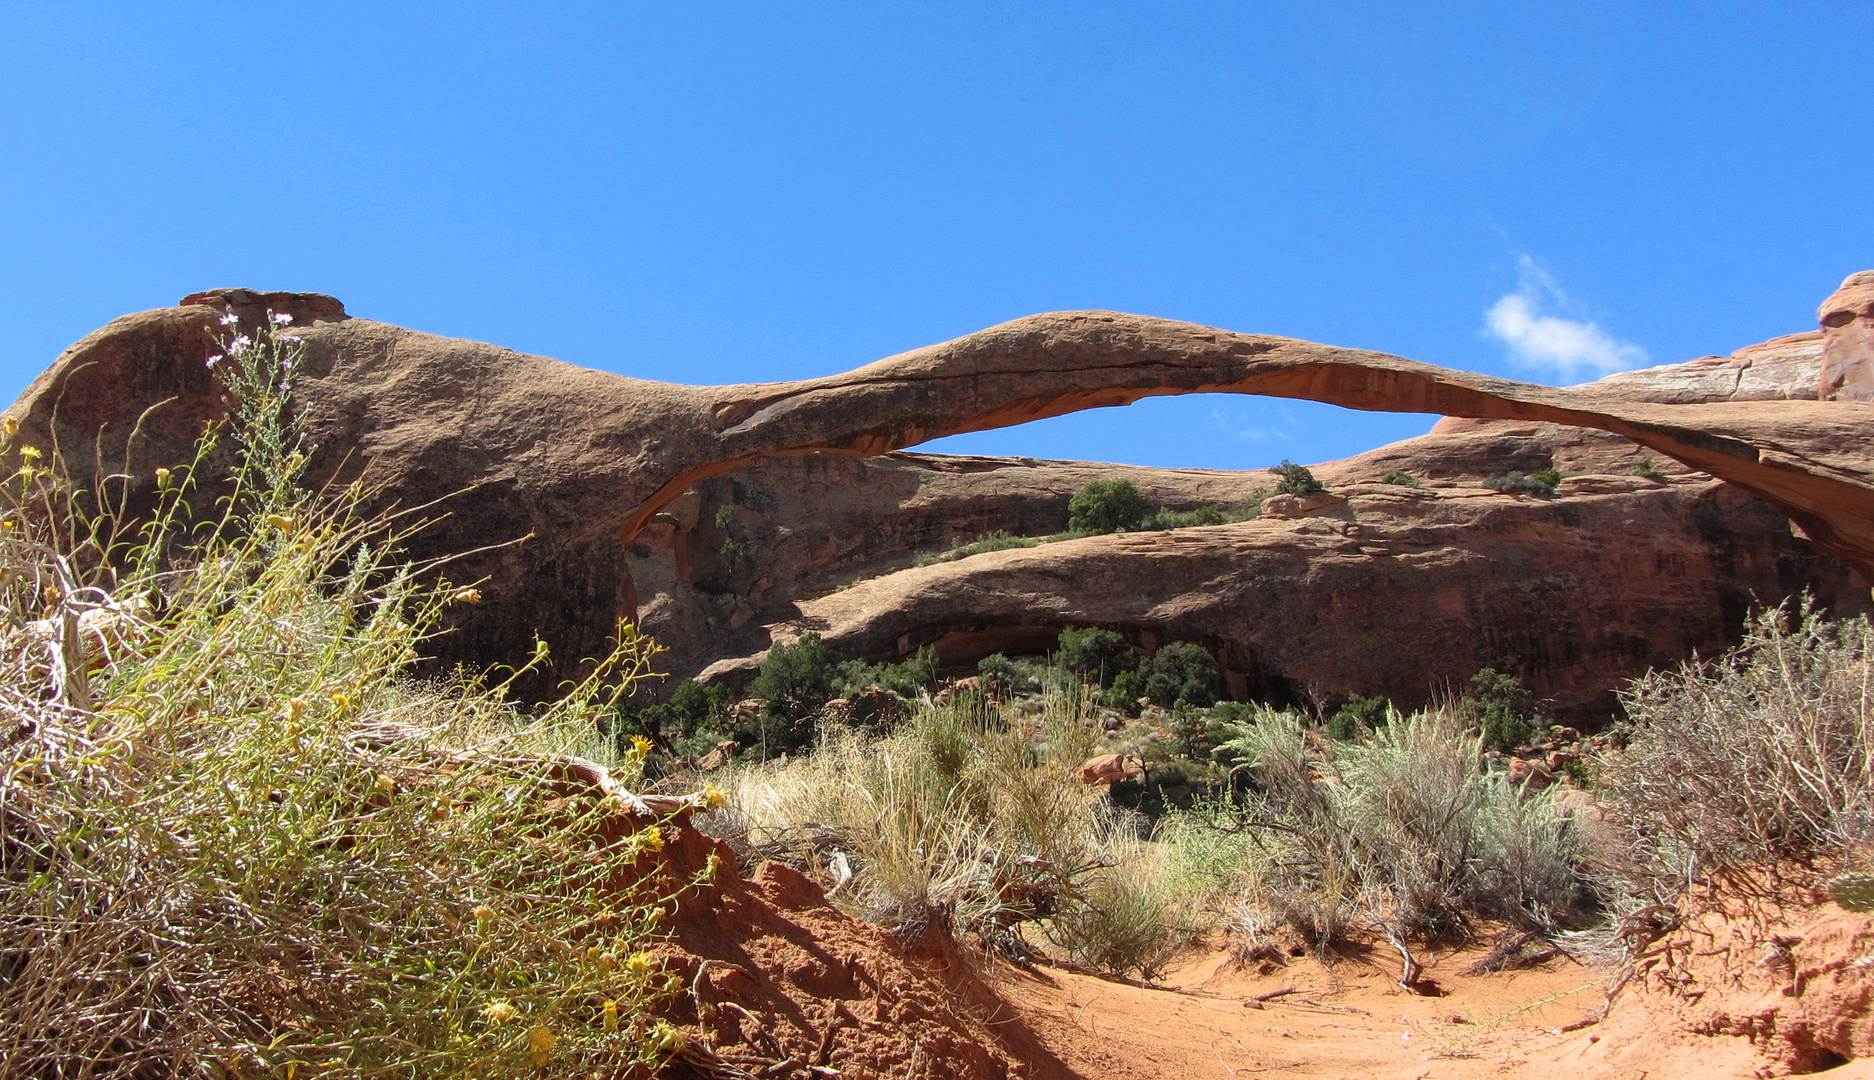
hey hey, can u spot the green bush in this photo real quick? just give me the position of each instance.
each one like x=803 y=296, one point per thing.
x=1647 y=470
x=1296 y=479
x=693 y=714
x=1179 y=674
x=1095 y=654
x=1105 y=506
x=1359 y=717
x=1541 y=482
x=794 y=684
x=1400 y=477
x=1502 y=709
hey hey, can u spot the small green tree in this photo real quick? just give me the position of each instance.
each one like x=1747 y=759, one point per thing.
x=1095 y=654
x=1399 y=477
x=1502 y=709
x=1105 y=506
x=1293 y=479
x=796 y=681
x=997 y=675
x=1178 y=675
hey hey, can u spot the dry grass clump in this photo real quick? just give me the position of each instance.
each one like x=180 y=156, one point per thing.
x=974 y=818
x=1763 y=755
x=236 y=841
x=1404 y=835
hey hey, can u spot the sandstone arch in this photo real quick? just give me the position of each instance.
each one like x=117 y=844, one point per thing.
x=585 y=460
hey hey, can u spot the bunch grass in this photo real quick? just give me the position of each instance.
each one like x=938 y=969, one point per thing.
x=238 y=839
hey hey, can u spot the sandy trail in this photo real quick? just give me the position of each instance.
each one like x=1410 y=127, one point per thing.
x=1352 y=1020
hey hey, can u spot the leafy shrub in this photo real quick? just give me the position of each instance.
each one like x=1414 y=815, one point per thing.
x=1502 y=709
x=794 y=684
x=1399 y=477
x=1095 y=654
x=1179 y=674
x=1646 y=469
x=693 y=712
x=1105 y=506
x=1358 y=717
x=1296 y=479
x=1542 y=482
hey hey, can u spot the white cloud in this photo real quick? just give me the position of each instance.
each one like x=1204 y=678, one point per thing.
x=1537 y=339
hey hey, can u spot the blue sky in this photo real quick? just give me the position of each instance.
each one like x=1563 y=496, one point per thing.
x=739 y=192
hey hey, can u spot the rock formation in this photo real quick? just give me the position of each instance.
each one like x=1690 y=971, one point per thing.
x=586 y=461
x=1847 y=319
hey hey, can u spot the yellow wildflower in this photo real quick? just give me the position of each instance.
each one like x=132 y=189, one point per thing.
x=665 y=1037
x=638 y=963
x=385 y=784
x=540 y=1043
x=295 y=708
x=641 y=745
x=608 y=1016
x=714 y=796
x=162 y=478
x=280 y=522
x=499 y=1011
x=30 y=453
x=484 y=915
x=13 y=426
x=651 y=839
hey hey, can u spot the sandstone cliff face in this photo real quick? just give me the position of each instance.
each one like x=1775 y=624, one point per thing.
x=586 y=462
x=1397 y=591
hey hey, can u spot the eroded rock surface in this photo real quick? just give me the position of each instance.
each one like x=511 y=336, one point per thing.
x=586 y=462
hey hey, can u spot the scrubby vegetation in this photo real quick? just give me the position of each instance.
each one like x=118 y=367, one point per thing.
x=1542 y=482
x=1293 y=479
x=1106 y=506
x=237 y=839
x=1399 y=477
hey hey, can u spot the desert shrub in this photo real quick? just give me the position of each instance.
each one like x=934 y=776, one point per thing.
x=1502 y=708
x=1096 y=654
x=1358 y=717
x=997 y=540
x=998 y=675
x=1180 y=519
x=1402 y=834
x=1645 y=468
x=1399 y=477
x=694 y=714
x=1293 y=479
x=1541 y=482
x=237 y=839
x=1764 y=754
x=962 y=815
x=1181 y=674
x=795 y=682
x=908 y=678
x=1105 y=506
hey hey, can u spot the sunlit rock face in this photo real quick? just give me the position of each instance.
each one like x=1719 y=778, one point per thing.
x=618 y=485
x=1848 y=340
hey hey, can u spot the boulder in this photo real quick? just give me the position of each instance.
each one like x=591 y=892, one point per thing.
x=1111 y=768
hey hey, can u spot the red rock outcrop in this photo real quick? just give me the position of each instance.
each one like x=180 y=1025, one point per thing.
x=585 y=460
x=1847 y=319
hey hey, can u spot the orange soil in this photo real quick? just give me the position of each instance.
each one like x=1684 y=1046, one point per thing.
x=779 y=983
